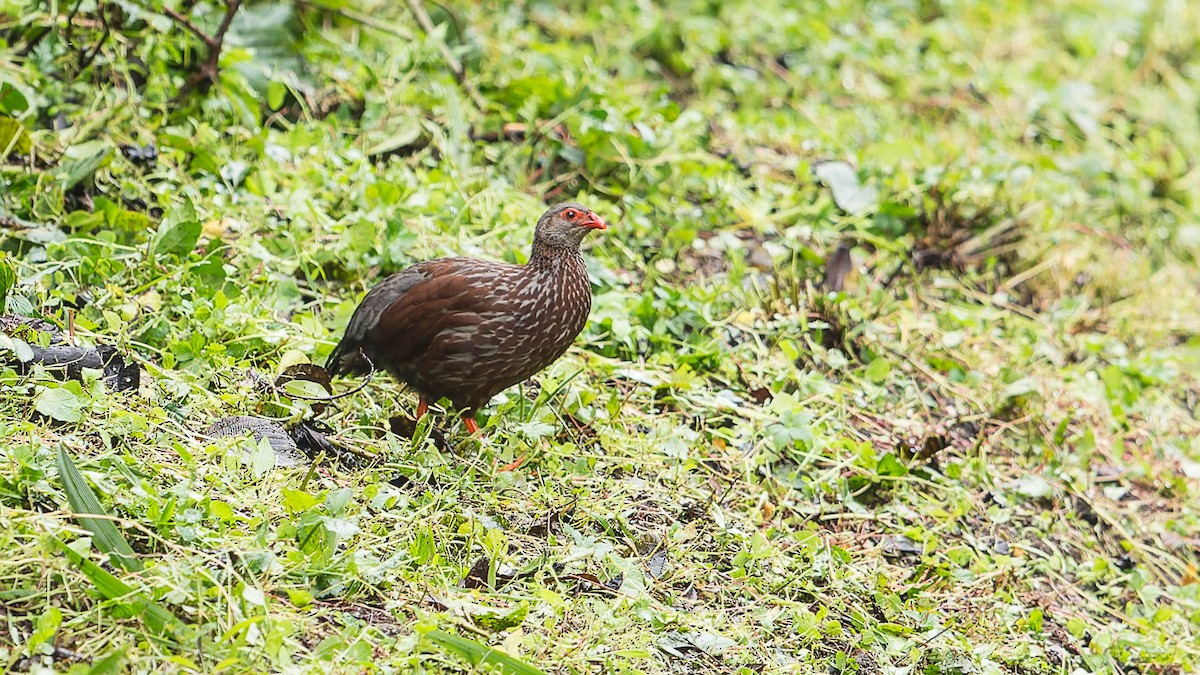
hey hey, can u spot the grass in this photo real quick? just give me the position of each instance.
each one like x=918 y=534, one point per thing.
x=979 y=456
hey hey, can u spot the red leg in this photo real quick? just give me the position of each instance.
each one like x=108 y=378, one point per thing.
x=422 y=407
x=472 y=425
x=515 y=464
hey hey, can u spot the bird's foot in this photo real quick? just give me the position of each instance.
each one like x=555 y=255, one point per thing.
x=472 y=425
x=422 y=407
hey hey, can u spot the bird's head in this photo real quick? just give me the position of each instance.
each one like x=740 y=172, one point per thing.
x=565 y=225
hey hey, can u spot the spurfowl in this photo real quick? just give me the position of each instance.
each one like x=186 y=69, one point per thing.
x=466 y=329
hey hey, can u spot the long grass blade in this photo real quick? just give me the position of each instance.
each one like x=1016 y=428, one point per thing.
x=83 y=500
x=479 y=654
x=158 y=619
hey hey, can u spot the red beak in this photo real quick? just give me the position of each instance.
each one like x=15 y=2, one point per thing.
x=594 y=222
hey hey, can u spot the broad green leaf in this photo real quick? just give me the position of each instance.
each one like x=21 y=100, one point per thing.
x=45 y=628
x=1035 y=487
x=848 y=193
x=1036 y=620
x=338 y=499
x=8 y=273
x=878 y=370
x=91 y=158
x=276 y=90
x=297 y=501
x=179 y=231
x=895 y=628
x=304 y=388
x=1022 y=387
x=254 y=596
x=400 y=132
x=108 y=665
x=261 y=458
x=270 y=31
x=12 y=99
x=13 y=138
x=59 y=403
x=18 y=347
x=890 y=466
x=114 y=216
x=299 y=597
x=83 y=500
x=177 y=238
x=498 y=622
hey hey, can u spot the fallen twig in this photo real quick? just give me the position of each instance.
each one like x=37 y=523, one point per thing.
x=456 y=66
x=208 y=72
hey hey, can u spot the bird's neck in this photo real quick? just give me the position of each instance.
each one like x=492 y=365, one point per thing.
x=553 y=258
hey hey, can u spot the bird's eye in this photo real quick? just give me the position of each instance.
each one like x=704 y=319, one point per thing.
x=570 y=214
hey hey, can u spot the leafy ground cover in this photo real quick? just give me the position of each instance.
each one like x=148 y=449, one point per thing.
x=893 y=363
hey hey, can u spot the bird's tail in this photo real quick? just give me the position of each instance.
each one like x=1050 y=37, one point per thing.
x=346 y=359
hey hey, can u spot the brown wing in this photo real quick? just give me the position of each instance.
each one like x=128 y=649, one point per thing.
x=401 y=318
x=410 y=324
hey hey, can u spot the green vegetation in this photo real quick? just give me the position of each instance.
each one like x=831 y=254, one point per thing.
x=980 y=456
